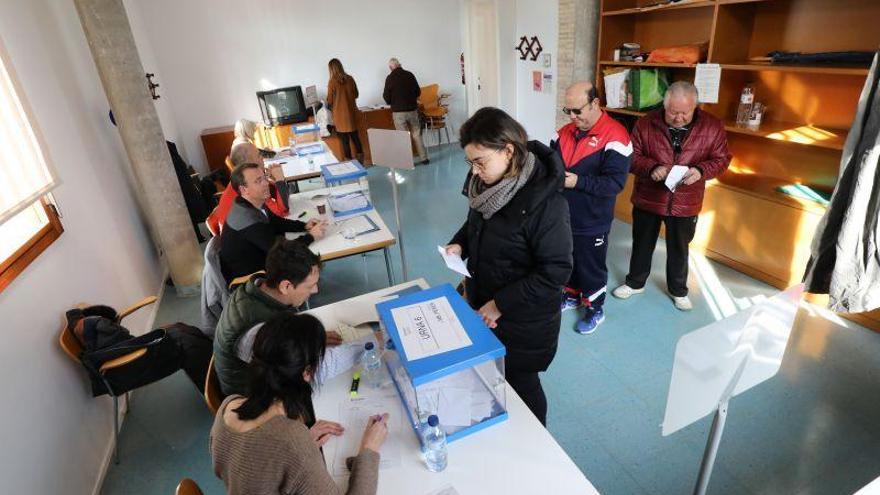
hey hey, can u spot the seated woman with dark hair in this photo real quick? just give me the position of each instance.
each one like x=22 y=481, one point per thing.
x=269 y=441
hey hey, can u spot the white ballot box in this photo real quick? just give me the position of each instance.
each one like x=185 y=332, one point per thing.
x=444 y=361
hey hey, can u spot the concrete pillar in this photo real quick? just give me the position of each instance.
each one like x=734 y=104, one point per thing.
x=578 y=35
x=113 y=48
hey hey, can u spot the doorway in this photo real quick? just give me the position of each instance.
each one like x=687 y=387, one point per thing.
x=481 y=54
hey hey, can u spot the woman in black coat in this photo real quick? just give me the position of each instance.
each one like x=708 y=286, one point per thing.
x=517 y=241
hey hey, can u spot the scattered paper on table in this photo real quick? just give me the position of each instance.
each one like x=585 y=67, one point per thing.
x=707 y=79
x=428 y=328
x=454 y=262
x=309 y=149
x=361 y=224
x=446 y=490
x=347 y=202
x=674 y=176
x=354 y=416
x=342 y=168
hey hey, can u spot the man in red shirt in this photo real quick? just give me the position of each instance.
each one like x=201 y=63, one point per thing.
x=596 y=152
x=677 y=134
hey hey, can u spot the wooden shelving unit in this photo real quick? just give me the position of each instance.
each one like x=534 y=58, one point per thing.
x=674 y=6
x=747 y=222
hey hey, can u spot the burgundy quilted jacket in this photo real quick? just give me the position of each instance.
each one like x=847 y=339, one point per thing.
x=704 y=147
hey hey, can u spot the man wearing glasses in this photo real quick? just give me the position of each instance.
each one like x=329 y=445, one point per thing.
x=251 y=229
x=596 y=152
x=678 y=134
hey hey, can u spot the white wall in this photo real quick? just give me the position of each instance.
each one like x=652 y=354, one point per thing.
x=55 y=435
x=213 y=55
x=536 y=111
x=508 y=59
x=164 y=103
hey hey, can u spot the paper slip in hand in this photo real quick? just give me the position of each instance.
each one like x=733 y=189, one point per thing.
x=454 y=262
x=674 y=176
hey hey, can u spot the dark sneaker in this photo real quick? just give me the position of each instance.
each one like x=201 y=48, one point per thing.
x=570 y=302
x=590 y=322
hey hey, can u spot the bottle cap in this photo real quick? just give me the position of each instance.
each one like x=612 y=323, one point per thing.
x=368 y=346
x=433 y=420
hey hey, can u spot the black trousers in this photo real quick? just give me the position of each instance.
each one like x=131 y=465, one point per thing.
x=528 y=387
x=679 y=233
x=345 y=136
x=590 y=274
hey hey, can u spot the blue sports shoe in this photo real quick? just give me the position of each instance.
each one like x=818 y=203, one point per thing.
x=590 y=322
x=570 y=302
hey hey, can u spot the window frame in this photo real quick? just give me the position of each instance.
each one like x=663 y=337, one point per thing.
x=15 y=264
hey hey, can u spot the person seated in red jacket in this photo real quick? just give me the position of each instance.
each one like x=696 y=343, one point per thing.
x=677 y=134
x=279 y=192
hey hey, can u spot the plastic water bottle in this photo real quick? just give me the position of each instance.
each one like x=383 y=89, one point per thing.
x=745 y=106
x=435 y=445
x=372 y=364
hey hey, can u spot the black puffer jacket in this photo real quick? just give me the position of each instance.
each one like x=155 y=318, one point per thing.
x=521 y=258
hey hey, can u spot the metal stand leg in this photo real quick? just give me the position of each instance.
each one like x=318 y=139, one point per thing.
x=388 y=267
x=116 y=428
x=399 y=226
x=711 y=449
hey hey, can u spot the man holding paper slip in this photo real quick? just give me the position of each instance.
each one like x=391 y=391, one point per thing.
x=676 y=149
x=595 y=150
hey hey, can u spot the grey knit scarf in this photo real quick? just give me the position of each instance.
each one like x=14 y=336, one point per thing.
x=489 y=199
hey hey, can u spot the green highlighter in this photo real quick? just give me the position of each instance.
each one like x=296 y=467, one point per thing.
x=355 y=382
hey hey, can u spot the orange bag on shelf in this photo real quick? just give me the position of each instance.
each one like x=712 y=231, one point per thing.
x=684 y=54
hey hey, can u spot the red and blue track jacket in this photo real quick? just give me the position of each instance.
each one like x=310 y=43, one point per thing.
x=600 y=157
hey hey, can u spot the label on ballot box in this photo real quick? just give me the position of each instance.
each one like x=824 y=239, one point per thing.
x=429 y=328
x=444 y=361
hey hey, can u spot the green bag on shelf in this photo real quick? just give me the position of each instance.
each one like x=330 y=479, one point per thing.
x=646 y=88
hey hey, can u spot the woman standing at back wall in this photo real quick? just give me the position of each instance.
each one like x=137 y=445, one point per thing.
x=517 y=241
x=342 y=93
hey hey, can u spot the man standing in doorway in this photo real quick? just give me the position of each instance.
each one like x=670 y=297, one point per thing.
x=596 y=152
x=677 y=134
x=402 y=93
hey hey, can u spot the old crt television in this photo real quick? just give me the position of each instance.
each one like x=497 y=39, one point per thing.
x=283 y=106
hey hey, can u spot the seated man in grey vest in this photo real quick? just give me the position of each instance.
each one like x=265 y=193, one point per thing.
x=251 y=229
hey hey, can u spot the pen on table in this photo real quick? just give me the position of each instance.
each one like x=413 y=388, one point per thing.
x=355 y=382
x=301 y=215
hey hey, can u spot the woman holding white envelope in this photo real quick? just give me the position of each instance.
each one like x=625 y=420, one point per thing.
x=517 y=242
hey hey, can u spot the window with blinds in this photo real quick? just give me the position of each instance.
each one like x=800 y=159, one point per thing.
x=29 y=223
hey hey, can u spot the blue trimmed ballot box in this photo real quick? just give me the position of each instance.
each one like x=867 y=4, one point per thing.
x=445 y=361
x=336 y=174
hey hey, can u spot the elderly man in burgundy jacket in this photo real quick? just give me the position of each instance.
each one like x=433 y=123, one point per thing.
x=678 y=134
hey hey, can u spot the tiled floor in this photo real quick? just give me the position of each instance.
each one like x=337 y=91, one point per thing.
x=812 y=429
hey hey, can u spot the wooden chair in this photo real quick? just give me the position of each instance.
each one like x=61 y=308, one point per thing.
x=213 y=395
x=188 y=487
x=213 y=223
x=432 y=111
x=73 y=348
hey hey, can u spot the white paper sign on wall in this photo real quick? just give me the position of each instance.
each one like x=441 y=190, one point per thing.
x=311 y=96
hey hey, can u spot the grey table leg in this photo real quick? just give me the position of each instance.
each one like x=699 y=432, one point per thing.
x=388 y=266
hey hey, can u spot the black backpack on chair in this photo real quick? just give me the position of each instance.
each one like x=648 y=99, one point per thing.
x=103 y=339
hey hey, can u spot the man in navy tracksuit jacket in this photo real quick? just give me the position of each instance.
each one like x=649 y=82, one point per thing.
x=596 y=151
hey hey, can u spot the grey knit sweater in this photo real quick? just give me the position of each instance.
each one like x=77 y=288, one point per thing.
x=280 y=457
